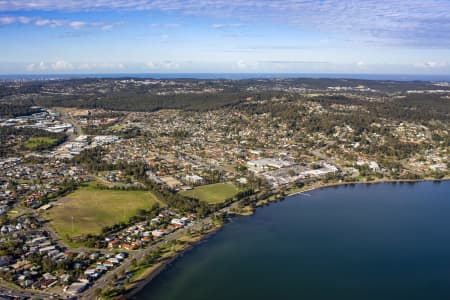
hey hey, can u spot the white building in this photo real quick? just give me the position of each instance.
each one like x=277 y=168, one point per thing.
x=194 y=179
x=264 y=164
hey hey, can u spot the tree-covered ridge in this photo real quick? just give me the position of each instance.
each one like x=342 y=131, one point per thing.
x=17 y=109
x=14 y=139
x=132 y=94
x=135 y=101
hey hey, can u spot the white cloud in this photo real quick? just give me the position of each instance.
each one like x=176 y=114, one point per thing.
x=77 y=24
x=245 y=65
x=407 y=22
x=107 y=27
x=51 y=22
x=61 y=65
x=242 y=64
x=37 y=67
x=163 y=66
x=218 y=26
x=64 y=66
x=361 y=64
x=169 y=65
x=85 y=66
x=432 y=65
x=151 y=65
x=24 y=20
x=101 y=66
x=40 y=22
x=169 y=25
x=6 y=20
x=292 y=62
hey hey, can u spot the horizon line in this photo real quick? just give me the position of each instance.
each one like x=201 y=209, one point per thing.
x=246 y=75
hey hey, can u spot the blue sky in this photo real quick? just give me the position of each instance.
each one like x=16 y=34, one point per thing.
x=188 y=36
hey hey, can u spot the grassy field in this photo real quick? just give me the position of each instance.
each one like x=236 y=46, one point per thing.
x=212 y=193
x=36 y=143
x=92 y=209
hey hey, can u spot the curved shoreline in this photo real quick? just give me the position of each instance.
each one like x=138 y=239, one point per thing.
x=166 y=263
x=336 y=184
x=132 y=291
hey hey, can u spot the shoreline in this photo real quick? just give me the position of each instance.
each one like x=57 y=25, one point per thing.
x=163 y=265
x=327 y=185
x=132 y=291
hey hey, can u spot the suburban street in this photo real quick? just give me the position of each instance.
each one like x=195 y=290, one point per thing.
x=24 y=293
x=138 y=255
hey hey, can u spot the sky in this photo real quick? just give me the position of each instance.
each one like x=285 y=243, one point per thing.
x=225 y=36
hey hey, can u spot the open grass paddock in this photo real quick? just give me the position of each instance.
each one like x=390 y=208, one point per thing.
x=88 y=210
x=212 y=193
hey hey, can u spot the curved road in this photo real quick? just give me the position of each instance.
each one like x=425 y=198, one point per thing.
x=138 y=255
x=25 y=294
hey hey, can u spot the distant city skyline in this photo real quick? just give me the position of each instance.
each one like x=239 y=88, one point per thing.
x=224 y=36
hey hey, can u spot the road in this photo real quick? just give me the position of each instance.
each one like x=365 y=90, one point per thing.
x=25 y=294
x=137 y=255
x=319 y=153
x=107 y=279
x=67 y=118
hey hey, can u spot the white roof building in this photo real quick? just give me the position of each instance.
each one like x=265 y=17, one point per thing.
x=263 y=164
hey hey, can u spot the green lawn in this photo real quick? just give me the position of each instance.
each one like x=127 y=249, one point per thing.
x=38 y=143
x=92 y=209
x=212 y=193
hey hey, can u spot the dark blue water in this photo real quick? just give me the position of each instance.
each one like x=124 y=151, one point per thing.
x=233 y=76
x=383 y=241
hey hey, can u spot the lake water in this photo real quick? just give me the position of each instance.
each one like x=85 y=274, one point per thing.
x=382 y=241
